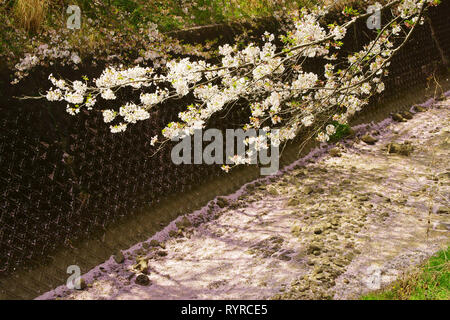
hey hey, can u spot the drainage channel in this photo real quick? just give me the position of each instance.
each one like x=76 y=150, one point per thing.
x=141 y=226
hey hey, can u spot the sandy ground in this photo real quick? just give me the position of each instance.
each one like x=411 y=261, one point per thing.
x=335 y=224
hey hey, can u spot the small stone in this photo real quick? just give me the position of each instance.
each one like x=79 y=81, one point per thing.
x=407 y=115
x=142 y=280
x=335 y=221
x=307 y=190
x=119 y=257
x=284 y=257
x=183 y=223
x=351 y=133
x=301 y=288
x=296 y=230
x=339 y=262
x=314 y=247
x=140 y=252
x=154 y=243
x=318 y=269
x=318 y=230
x=335 y=152
x=141 y=265
x=367 y=138
x=398 y=117
x=222 y=202
x=173 y=233
x=293 y=202
x=272 y=190
x=320 y=276
x=402 y=149
x=419 y=109
x=250 y=187
x=443 y=210
x=162 y=253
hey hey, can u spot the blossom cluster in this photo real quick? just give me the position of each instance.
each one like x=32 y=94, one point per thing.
x=279 y=92
x=64 y=47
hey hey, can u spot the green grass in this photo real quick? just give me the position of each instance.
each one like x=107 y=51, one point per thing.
x=176 y=14
x=167 y=14
x=121 y=26
x=429 y=282
x=124 y=20
x=342 y=130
